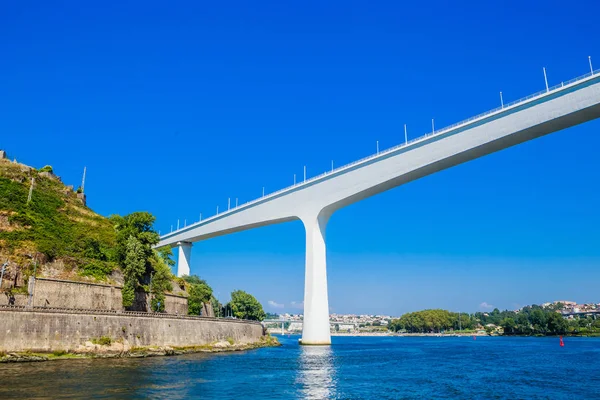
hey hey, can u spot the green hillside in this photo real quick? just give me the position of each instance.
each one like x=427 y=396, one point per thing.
x=53 y=226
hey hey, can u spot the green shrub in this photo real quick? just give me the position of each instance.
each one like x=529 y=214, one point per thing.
x=128 y=294
x=97 y=269
x=58 y=353
x=102 y=341
x=21 y=218
x=230 y=340
x=54 y=223
x=47 y=168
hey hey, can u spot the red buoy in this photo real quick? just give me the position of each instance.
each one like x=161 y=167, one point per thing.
x=562 y=344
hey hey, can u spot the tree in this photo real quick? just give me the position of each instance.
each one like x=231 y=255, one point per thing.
x=556 y=324
x=135 y=238
x=166 y=254
x=199 y=293
x=509 y=325
x=538 y=320
x=245 y=306
x=134 y=266
x=138 y=225
x=217 y=306
x=160 y=282
x=523 y=324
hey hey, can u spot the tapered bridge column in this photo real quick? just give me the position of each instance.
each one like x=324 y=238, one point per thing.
x=315 y=329
x=184 y=258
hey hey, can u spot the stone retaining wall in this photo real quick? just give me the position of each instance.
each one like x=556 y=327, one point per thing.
x=177 y=305
x=68 y=294
x=39 y=330
x=57 y=293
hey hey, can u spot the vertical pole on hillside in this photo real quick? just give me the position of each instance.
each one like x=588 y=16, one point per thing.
x=263 y=191
x=229 y=203
x=185 y=222
x=149 y=306
x=294 y=179
x=200 y=217
x=377 y=144
x=83 y=180
x=305 y=173
x=546 y=80
x=32 y=285
x=591 y=69
x=501 y=101
x=171 y=228
x=217 y=210
x=236 y=202
x=2 y=273
x=331 y=165
x=30 y=190
x=405 y=135
x=178 y=224
x=432 y=126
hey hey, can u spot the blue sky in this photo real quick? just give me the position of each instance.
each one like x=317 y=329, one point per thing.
x=175 y=107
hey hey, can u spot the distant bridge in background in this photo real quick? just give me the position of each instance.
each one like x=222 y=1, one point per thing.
x=314 y=200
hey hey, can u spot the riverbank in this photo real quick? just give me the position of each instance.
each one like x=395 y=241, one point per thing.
x=48 y=331
x=120 y=350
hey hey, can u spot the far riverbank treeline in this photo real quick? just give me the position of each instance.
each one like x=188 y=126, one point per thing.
x=530 y=320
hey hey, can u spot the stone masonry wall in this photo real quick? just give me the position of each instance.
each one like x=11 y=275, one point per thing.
x=19 y=300
x=176 y=304
x=55 y=293
x=46 y=331
x=80 y=295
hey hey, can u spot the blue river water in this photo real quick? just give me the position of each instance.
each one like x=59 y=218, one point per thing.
x=352 y=368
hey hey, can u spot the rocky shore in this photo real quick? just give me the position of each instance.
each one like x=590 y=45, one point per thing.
x=122 y=350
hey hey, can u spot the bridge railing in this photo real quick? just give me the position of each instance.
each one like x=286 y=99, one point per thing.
x=445 y=129
x=63 y=310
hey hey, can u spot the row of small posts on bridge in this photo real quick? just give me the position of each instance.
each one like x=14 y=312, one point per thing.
x=377 y=146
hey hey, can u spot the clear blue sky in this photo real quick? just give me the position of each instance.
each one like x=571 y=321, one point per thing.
x=175 y=107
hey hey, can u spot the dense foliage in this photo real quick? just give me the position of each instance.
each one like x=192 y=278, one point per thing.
x=199 y=293
x=53 y=223
x=161 y=281
x=141 y=264
x=245 y=306
x=530 y=320
x=536 y=320
x=430 y=321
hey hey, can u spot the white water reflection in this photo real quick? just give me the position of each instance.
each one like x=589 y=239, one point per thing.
x=316 y=375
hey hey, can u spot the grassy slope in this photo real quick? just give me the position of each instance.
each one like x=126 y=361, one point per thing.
x=53 y=226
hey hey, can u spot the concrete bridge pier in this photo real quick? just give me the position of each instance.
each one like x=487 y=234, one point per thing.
x=316 y=303
x=184 y=258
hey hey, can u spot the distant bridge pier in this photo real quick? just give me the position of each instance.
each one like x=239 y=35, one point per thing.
x=316 y=303
x=184 y=258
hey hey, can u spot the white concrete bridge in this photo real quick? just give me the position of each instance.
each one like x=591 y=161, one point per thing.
x=313 y=201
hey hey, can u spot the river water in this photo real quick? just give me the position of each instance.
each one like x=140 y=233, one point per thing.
x=352 y=368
